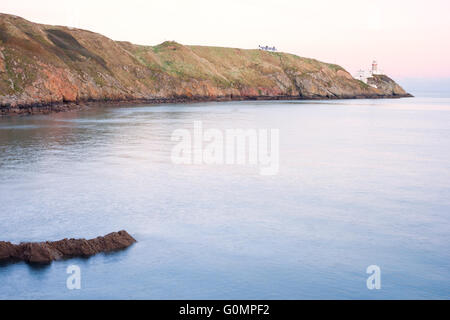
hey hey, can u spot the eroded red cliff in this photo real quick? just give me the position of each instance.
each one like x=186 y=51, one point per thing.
x=42 y=65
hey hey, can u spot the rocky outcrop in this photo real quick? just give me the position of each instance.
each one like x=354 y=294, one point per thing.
x=46 y=252
x=386 y=84
x=43 y=67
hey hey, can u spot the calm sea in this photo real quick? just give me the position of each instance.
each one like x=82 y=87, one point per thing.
x=360 y=183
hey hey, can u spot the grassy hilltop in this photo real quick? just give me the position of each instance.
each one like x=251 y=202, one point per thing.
x=42 y=64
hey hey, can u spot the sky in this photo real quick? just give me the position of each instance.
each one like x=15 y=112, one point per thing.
x=409 y=39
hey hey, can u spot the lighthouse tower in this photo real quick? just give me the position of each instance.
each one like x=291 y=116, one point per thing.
x=374 y=67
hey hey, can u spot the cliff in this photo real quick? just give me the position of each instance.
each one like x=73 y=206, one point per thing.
x=42 y=65
x=46 y=252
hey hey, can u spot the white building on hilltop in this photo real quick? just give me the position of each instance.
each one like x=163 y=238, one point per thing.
x=267 y=48
x=363 y=75
x=374 y=67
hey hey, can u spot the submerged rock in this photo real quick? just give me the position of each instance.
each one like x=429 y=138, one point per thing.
x=46 y=252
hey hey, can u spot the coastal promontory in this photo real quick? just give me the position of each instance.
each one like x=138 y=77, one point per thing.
x=45 y=67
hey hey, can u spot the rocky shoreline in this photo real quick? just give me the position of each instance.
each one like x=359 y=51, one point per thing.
x=47 y=69
x=46 y=252
x=55 y=107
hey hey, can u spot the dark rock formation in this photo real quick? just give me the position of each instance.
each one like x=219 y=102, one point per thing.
x=387 y=85
x=46 y=252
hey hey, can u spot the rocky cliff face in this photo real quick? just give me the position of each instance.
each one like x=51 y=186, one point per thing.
x=49 y=65
x=386 y=84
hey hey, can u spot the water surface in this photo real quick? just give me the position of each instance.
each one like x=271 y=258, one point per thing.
x=361 y=182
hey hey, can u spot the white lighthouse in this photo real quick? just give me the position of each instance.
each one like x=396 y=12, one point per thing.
x=364 y=74
x=374 y=67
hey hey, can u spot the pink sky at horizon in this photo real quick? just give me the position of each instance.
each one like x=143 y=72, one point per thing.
x=410 y=39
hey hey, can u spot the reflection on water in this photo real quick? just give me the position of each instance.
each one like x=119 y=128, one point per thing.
x=361 y=182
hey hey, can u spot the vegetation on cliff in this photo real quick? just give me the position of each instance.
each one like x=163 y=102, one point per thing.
x=42 y=64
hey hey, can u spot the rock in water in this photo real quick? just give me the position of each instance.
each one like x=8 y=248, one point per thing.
x=46 y=252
